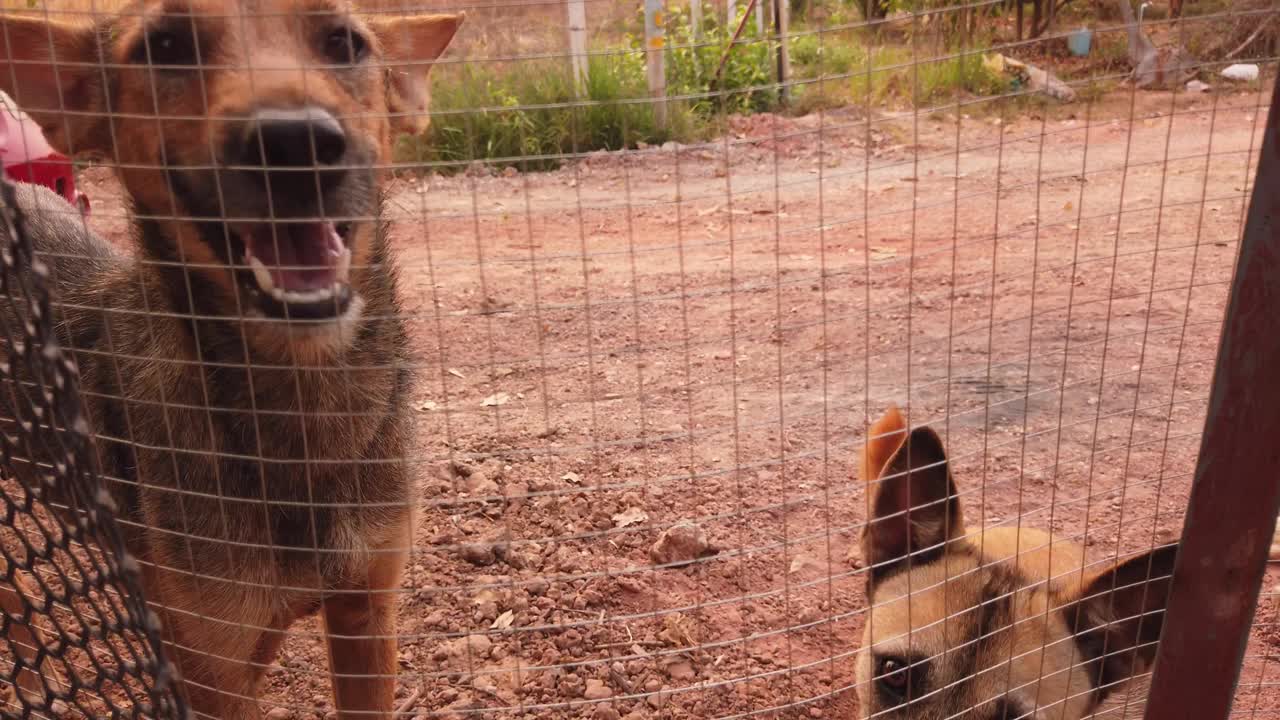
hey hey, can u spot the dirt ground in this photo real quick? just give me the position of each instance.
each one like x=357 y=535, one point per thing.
x=696 y=337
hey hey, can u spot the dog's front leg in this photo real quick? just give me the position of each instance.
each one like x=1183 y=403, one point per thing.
x=360 y=628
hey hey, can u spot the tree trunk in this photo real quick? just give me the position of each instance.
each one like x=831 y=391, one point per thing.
x=875 y=9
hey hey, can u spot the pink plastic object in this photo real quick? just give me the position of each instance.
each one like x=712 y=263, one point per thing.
x=28 y=157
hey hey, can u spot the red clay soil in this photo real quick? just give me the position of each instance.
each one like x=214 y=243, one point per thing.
x=700 y=335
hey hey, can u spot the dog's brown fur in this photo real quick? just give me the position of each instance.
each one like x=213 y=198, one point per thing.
x=996 y=625
x=258 y=463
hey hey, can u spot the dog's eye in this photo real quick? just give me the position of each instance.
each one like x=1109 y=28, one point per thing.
x=892 y=677
x=345 y=46
x=163 y=46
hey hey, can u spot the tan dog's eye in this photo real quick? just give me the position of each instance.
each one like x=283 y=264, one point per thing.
x=892 y=677
x=345 y=46
x=167 y=47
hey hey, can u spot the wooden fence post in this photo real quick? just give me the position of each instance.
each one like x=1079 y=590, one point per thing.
x=730 y=13
x=578 y=43
x=760 y=24
x=782 y=24
x=655 y=49
x=1235 y=494
x=695 y=18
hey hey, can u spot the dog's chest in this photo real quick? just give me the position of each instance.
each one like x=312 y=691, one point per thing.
x=278 y=463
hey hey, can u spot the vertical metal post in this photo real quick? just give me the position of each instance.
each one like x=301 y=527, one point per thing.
x=655 y=46
x=760 y=24
x=695 y=18
x=578 y=43
x=1236 y=492
x=730 y=12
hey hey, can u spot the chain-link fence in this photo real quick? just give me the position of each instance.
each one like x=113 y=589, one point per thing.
x=76 y=633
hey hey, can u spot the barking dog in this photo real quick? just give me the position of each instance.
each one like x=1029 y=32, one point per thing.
x=996 y=624
x=245 y=370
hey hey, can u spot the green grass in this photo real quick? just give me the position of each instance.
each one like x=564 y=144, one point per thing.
x=891 y=76
x=529 y=114
x=815 y=55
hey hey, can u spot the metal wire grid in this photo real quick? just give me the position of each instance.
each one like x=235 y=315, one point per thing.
x=686 y=341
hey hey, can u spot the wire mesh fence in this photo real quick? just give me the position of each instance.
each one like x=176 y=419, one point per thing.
x=557 y=407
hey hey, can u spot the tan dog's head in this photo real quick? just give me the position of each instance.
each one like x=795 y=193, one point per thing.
x=996 y=625
x=248 y=133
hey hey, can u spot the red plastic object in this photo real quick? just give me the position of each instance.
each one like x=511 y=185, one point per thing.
x=28 y=157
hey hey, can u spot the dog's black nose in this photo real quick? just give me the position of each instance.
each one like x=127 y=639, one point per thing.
x=296 y=152
x=305 y=137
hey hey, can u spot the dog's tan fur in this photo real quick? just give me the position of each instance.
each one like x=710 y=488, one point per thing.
x=997 y=624
x=257 y=462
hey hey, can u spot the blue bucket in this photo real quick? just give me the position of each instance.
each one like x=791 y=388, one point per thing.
x=1080 y=41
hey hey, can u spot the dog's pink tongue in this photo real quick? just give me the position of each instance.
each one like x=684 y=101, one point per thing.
x=300 y=256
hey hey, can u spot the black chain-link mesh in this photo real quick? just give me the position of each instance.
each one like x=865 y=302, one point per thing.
x=76 y=636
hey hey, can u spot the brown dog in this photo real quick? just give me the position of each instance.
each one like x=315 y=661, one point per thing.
x=996 y=624
x=246 y=373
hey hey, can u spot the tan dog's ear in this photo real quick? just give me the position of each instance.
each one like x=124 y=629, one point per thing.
x=53 y=71
x=410 y=45
x=914 y=506
x=884 y=438
x=1118 y=618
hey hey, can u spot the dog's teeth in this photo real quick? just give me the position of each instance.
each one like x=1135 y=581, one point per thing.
x=344 y=266
x=262 y=275
x=308 y=296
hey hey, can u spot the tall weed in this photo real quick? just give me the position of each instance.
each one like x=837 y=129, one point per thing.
x=530 y=114
x=895 y=75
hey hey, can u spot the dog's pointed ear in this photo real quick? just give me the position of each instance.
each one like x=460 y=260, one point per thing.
x=53 y=71
x=410 y=45
x=914 y=506
x=884 y=437
x=1119 y=616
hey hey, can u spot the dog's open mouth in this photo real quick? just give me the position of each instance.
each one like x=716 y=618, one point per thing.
x=301 y=269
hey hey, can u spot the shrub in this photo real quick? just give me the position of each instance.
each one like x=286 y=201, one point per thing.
x=746 y=83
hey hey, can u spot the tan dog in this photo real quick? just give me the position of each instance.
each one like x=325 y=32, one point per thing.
x=246 y=372
x=994 y=625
